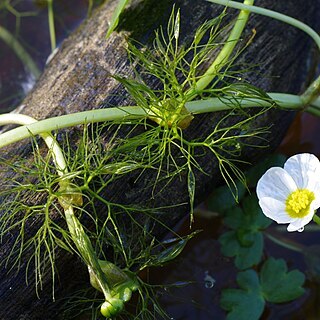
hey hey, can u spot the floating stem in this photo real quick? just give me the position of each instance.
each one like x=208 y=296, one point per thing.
x=283 y=100
x=19 y=50
x=316 y=219
x=51 y=25
x=313 y=90
x=224 y=54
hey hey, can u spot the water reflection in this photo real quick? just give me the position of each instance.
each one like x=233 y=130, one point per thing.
x=27 y=21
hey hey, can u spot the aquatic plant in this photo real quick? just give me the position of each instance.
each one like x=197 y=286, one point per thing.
x=69 y=182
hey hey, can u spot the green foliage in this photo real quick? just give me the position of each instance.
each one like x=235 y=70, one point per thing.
x=115 y=16
x=168 y=252
x=19 y=193
x=95 y=165
x=222 y=199
x=247 y=250
x=176 y=67
x=244 y=303
x=245 y=241
x=273 y=284
x=243 y=216
x=256 y=172
x=278 y=285
x=270 y=283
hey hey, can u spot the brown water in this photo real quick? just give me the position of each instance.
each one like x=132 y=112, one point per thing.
x=302 y=136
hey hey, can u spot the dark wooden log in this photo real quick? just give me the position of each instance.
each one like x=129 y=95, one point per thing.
x=78 y=79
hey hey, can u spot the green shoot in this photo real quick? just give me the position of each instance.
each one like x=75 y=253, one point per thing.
x=312 y=92
x=67 y=185
x=51 y=25
x=115 y=16
x=21 y=53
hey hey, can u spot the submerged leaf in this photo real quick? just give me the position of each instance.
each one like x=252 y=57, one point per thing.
x=120 y=167
x=245 y=241
x=245 y=303
x=312 y=259
x=223 y=199
x=255 y=173
x=245 y=255
x=177 y=26
x=274 y=284
x=279 y=285
x=191 y=190
x=171 y=252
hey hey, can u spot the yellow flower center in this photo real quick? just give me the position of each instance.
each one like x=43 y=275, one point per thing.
x=298 y=203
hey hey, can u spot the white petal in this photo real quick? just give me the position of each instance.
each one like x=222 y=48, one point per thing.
x=316 y=190
x=275 y=210
x=275 y=183
x=304 y=168
x=300 y=223
x=316 y=204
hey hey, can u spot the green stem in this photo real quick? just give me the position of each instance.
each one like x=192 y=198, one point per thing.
x=84 y=246
x=224 y=54
x=291 y=246
x=58 y=157
x=272 y=14
x=21 y=53
x=316 y=219
x=313 y=90
x=90 y=6
x=51 y=25
x=285 y=101
x=70 y=120
x=77 y=232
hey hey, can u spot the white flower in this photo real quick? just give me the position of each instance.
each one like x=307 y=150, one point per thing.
x=291 y=194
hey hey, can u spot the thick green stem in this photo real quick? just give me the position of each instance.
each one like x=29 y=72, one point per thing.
x=78 y=235
x=84 y=246
x=224 y=54
x=285 y=101
x=71 y=120
x=58 y=157
x=313 y=90
x=272 y=14
x=21 y=53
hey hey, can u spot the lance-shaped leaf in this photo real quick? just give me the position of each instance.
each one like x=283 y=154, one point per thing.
x=115 y=17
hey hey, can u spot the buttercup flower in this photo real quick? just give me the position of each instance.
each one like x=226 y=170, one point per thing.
x=291 y=194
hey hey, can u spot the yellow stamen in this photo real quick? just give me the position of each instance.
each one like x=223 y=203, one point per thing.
x=298 y=203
